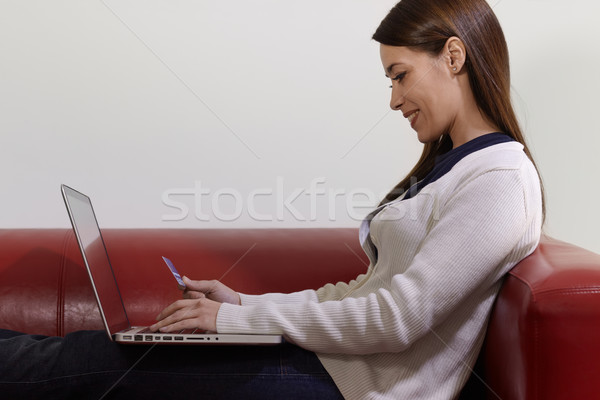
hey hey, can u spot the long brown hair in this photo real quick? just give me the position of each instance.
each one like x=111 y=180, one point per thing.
x=426 y=25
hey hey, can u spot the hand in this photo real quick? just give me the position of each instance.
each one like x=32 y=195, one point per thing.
x=188 y=314
x=213 y=290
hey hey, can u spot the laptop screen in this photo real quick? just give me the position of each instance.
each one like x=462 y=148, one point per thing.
x=96 y=260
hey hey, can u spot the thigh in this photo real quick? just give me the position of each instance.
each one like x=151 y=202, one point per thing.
x=239 y=372
x=87 y=364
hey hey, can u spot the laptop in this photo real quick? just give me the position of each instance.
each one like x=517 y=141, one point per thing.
x=108 y=295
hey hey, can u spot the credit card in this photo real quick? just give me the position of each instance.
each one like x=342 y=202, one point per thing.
x=180 y=282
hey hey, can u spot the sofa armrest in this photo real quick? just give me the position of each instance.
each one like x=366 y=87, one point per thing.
x=543 y=336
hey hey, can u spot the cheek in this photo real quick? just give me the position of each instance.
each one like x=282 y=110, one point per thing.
x=434 y=121
x=438 y=108
x=424 y=96
x=430 y=111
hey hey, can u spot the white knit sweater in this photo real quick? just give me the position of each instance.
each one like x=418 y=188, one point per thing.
x=411 y=327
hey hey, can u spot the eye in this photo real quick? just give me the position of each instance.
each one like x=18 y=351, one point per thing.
x=399 y=77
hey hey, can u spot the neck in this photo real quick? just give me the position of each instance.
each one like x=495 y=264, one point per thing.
x=470 y=122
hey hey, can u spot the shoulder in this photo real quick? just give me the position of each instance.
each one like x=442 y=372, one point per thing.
x=504 y=158
x=497 y=157
x=501 y=175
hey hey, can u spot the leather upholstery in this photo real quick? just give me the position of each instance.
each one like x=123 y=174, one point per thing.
x=44 y=287
x=543 y=341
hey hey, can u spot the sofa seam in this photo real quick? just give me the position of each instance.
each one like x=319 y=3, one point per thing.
x=60 y=320
x=526 y=283
x=535 y=343
x=569 y=292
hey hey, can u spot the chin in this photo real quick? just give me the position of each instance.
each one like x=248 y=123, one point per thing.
x=428 y=136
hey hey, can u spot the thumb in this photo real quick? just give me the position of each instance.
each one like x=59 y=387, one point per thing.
x=192 y=294
x=198 y=286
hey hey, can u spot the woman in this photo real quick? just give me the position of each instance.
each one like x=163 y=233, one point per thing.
x=409 y=328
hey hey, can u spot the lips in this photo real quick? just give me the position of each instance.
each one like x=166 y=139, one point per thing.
x=411 y=116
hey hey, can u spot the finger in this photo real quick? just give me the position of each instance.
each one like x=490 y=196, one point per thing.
x=193 y=295
x=166 y=325
x=183 y=314
x=187 y=318
x=179 y=325
x=179 y=304
x=200 y=286
x=200 y=313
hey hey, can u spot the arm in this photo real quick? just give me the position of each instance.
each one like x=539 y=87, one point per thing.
x=325 y=293
x=203 y=299
x=465 y=250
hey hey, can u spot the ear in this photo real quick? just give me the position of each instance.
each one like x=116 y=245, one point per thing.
x=455 y=54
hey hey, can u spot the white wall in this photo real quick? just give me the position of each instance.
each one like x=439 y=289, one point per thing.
x=133 y=102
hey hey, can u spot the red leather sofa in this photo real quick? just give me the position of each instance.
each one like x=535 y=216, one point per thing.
x=543 y=340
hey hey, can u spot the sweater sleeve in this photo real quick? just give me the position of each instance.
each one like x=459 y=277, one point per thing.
x=280 y=298
x=478 y=227
x=325 y=293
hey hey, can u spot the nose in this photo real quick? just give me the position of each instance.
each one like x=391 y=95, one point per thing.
x=397 y=99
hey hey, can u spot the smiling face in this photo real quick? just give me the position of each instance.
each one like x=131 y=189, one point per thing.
x=433 y=92
x=424 y=89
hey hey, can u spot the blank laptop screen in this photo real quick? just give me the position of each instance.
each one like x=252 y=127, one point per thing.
x=95 y=257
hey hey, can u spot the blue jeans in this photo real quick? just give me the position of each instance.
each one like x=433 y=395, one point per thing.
x=87 y=365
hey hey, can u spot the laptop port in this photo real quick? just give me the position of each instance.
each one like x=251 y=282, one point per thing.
x=138 y=338
x=148 y=338
x=127 y=337
x=178 y=337
x=167 y=338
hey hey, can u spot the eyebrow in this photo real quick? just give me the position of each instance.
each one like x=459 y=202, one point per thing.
x=389 y=68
